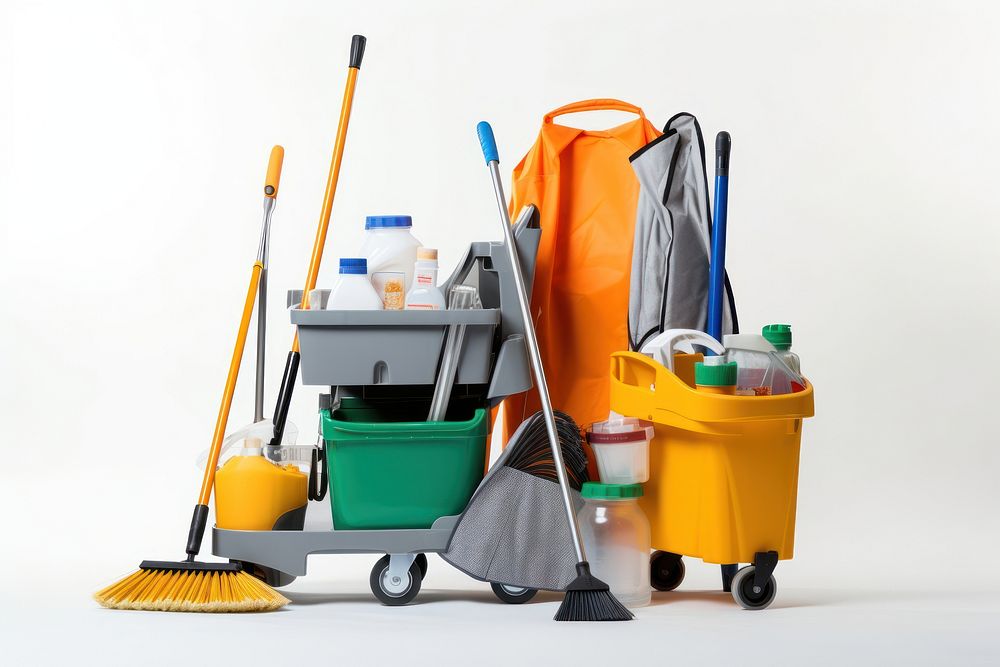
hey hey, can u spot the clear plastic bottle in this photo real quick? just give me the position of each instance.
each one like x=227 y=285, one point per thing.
x=425 y=295
x=780 y=336
x=391 y=251
x=353 y=291
x=616 y=537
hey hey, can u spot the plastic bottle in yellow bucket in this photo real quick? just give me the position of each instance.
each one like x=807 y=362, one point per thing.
x=718 y=378
x=252 y=493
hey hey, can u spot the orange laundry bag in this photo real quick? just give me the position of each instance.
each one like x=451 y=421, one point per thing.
x=586 y=193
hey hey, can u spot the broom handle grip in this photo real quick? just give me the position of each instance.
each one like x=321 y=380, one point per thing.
x=492 y=156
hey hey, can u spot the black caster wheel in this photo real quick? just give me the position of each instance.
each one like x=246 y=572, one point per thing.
x=421 y=562
x=394 y=591
x=747 y=595
x=513 y=594
x=270 y=576
x=666 y=570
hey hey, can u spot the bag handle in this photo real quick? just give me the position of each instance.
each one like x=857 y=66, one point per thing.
x=600 y=104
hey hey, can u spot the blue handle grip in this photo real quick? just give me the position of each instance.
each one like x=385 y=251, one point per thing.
x=488 y=142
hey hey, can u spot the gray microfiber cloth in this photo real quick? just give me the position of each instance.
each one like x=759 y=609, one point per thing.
x=514 y=530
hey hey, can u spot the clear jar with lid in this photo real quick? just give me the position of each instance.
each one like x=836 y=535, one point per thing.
x=616 y=537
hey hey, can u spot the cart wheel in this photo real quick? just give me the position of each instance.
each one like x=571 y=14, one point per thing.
x=666 y=570
x=421 y=562
x=394 y=592
x=270 y=576
x=513 y=594
x=749 y=597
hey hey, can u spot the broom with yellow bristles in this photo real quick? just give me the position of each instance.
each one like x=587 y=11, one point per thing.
x=190 y=585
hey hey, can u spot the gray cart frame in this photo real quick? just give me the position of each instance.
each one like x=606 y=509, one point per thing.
x=348 y=349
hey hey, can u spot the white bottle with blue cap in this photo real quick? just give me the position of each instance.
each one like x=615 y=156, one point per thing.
x=391 y=251
x=353 y=290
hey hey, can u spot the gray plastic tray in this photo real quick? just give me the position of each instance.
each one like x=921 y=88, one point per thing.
x=390 y=346
x=363 y=348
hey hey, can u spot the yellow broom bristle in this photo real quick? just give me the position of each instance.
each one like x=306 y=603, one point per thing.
x=191 y=590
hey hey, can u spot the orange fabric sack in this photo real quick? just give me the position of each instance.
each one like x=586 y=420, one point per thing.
x=586 y=192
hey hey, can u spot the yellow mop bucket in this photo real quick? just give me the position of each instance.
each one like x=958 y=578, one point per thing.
x=723 y=469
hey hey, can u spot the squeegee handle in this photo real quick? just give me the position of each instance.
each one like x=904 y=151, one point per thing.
x=489 y=145
x=717 y=260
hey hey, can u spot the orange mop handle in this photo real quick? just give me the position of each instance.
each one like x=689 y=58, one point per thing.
x=331 y=190
x=280 y=416
x=227 y=396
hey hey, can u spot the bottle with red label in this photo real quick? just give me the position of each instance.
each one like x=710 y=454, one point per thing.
x=425 y=295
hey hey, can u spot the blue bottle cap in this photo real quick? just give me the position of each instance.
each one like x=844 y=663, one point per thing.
x=388 y=221
x=354 y=265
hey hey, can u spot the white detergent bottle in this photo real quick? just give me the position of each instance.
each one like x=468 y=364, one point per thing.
x=391 y=251
x=353 y=290
x=425 y=295
x=752 y=354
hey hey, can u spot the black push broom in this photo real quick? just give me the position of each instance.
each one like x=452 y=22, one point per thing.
x=587 y=597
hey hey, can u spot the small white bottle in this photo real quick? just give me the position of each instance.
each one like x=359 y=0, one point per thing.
x=353 y=290
x=425 y=295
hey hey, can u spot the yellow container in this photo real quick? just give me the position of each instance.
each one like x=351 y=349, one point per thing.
x=251 y=493
x=723 y=469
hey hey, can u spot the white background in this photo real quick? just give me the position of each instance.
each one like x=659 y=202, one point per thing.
x=133 y=141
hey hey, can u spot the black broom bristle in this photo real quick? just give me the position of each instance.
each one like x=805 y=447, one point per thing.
x=589 y=599
x=531 y=452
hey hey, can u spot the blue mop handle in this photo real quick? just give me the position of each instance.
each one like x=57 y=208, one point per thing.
x=717 y=262
x=488 y=142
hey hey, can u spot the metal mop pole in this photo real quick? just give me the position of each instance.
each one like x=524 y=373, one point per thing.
x=258 y=402
x=529 y=336
x=270 y=197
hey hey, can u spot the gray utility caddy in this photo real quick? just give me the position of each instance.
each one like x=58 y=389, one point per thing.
x=349 y=351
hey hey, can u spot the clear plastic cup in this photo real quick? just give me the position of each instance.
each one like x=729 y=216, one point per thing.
x=621 y=447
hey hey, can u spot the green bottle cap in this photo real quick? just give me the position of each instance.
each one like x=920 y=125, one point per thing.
x=719 y=375
x=778 y=335
x=599 y=491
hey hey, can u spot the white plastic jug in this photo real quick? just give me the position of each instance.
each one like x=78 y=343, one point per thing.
x=751 y=352
x=391 y=251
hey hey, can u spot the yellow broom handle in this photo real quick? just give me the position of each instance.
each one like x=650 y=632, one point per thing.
x=227 y=397
x=331 y=191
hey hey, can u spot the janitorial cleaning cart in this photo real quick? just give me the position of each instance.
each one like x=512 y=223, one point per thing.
x=409 y=373
x=723 y=472
x=398 y=482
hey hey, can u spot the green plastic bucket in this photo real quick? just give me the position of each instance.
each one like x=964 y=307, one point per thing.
x=400 y=474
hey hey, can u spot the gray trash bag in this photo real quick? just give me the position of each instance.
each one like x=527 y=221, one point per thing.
x=670 y=255
x=514 y=531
